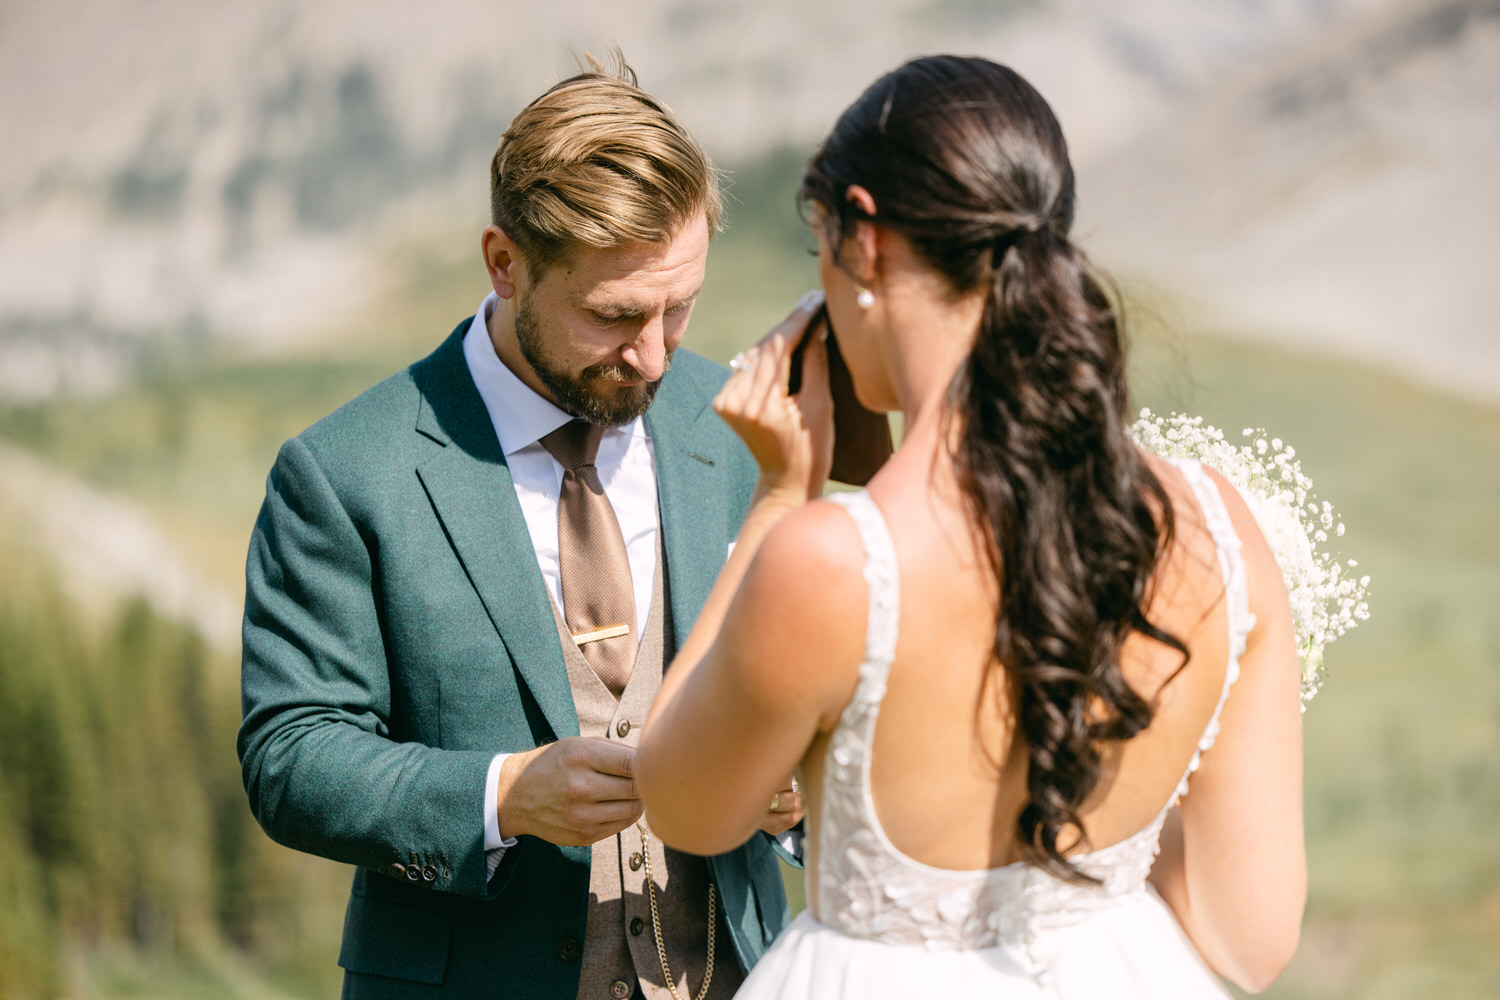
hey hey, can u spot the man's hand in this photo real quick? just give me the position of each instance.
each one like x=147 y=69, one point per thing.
x=574 y=792
x=785 y=810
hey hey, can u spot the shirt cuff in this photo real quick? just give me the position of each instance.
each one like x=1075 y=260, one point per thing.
x=494 y=844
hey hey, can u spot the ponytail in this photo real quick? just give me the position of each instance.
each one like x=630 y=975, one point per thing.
x=966 y=161
x=1075 y=518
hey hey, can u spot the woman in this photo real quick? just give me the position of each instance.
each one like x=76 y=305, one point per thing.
x=1029 y=655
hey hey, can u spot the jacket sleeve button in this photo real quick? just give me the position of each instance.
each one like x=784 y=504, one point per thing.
x=413 y=873
x=397 y=870
x=429 y=873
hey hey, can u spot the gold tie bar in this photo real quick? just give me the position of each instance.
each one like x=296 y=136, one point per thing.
x=607 y=632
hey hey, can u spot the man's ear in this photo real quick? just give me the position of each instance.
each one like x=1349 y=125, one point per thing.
x=502 y=258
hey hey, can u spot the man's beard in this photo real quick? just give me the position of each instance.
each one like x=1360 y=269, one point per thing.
x=573 y=392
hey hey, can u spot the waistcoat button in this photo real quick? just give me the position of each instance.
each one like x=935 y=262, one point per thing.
x=623 y=729
x=636 y=926
x=619 y=989
x=636 y=860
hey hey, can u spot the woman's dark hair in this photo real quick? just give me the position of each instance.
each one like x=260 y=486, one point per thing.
x=966 y=161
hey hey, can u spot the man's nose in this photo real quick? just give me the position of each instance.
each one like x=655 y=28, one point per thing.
x=647 y=353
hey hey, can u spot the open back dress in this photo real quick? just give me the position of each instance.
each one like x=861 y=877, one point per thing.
x=887 y=925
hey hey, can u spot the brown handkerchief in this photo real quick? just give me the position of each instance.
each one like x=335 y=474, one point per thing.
x=861 y=437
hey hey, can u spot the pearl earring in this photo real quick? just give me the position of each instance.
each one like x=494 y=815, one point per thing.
x=865 y=299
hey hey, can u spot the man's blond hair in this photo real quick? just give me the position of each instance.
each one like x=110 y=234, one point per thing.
x=597 y=161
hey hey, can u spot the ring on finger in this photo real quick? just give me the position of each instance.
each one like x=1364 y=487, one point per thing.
x=775 y=803
x=737 y=362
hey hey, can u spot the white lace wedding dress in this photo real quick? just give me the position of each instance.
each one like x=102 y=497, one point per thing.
x=890 y=926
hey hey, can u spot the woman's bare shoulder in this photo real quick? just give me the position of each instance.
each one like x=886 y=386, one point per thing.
x=1268 y=597
x=816 y=543
x=1268 y=594
x=1186 y=510
x=1191 y=560
x=802 y=608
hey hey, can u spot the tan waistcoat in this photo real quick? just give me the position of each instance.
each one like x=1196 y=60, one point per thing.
x=619 y=947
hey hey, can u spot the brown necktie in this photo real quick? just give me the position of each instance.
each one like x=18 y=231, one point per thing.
x=598 y=595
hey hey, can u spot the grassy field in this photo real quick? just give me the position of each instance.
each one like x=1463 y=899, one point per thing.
x=1403 y=744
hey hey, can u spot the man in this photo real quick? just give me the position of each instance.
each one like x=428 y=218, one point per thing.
x=457 y=611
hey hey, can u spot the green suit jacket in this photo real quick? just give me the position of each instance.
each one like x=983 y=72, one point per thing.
x=397 y=635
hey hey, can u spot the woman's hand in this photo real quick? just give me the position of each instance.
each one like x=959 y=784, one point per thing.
x=791 y=437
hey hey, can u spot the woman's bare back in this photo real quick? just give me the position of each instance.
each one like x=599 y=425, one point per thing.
x=948 y=775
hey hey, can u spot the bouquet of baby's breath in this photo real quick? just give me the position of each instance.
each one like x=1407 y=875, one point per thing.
x=1327 y=600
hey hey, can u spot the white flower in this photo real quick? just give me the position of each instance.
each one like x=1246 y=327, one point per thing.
x=1325 y=602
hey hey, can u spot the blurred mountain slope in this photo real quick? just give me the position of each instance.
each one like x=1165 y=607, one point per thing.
x=105 y=550
x=1343 y=196
x=178 y=173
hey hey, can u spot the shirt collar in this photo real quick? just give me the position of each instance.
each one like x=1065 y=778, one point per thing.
x=521 y=417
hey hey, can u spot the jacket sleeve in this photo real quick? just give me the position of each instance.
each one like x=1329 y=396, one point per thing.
x=319 y=766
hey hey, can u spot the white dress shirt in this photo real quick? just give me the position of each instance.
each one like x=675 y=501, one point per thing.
x=626 y=465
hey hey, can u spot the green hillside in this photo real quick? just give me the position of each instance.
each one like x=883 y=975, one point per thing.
x=1403 y=744
x=136 y=869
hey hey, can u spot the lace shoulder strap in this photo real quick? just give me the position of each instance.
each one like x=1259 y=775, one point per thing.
x=1236 y=593
x=883 y=578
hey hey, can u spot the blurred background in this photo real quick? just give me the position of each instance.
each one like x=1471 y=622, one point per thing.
x=220 y=220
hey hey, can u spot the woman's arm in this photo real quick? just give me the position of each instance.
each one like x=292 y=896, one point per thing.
x=734 y=701
x=1232 y=865
x=791 y=438
x=783 y=665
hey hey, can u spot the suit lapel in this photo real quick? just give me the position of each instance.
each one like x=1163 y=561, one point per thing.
x=690 y=444
x=472 y=494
